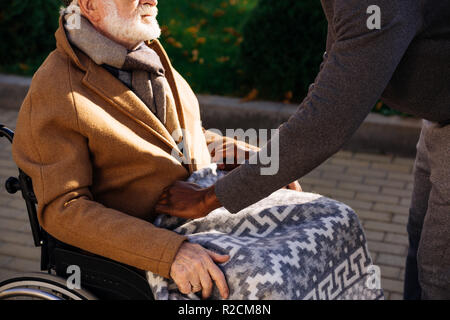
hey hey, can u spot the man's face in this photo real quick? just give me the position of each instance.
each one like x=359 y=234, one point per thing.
x=129 y=21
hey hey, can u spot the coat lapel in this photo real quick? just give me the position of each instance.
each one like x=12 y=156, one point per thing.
x=113 y=91
x=187 y=138
x=117 y=94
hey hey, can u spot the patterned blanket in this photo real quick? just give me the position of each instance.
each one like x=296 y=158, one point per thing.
x=288 y=246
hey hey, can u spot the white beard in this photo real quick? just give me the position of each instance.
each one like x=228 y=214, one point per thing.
x=131 y=30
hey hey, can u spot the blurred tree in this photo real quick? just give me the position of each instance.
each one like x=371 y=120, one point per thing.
x=282 y=49
x=25 y=29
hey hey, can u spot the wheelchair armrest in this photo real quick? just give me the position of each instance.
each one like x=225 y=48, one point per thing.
x=105 y=278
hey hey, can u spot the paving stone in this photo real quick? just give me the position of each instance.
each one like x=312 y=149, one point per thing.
x=396 y=296
x=400 y=176
x=410 y=186
x=401 y=219
x=391 y=260
x=373 y=215
x=405 y=161
x=367 y=172
x=384 y=183
x=320 y=182
x=358 y=204
x=389 y=272
x=387 y=227
x=23 y=265
x=396 y=192
x=376 y=246
x=342 y=177
x=377 y=197
x=4 y=200
x=374 y=235
x=402 y=275
x=12 y=224
x=359 y=187
x=344 y=154
x=8 y=236
x=335 y=193
x=394 y=286
x=396 y=238
x=331 y=167
x=7 y=274
x=5 y=260
x=351 y=163
x=17 y=204
x=313 y=174
x=406 y=201
x=383 y=207
x=15 y=250
x=373 y=157
x=12 y=213
x=391 y=167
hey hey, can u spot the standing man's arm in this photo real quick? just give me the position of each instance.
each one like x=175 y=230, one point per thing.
x=359 y=66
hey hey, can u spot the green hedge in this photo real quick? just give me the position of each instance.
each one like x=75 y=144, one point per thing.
x=27 y=28
x=283 y=46
x=223 y=47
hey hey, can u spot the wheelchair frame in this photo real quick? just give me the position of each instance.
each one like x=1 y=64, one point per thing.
x=101 y=278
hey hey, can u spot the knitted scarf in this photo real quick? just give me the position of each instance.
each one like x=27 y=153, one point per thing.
x=148 y=80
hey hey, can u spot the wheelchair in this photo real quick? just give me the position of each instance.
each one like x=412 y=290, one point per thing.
x=100 y=278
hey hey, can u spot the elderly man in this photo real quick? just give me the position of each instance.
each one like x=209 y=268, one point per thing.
x=108 y=124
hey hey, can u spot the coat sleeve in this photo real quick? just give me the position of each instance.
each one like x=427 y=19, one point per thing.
x=359 y=66
x=51 y=149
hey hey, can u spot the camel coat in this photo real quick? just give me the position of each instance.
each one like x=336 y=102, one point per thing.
x=99 y=158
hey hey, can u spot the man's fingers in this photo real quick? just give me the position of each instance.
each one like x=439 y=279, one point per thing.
x=219 y=279
x=206 y=282
x=221 y=258
x=180 y=277
x=162 y=208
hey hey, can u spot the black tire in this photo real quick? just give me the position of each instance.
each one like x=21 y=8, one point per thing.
x=41 y=286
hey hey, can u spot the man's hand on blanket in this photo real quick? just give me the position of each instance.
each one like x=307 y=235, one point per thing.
x=187 y=200
x=194 y=270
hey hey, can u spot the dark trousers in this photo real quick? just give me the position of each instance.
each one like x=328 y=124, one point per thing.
x=427 y=273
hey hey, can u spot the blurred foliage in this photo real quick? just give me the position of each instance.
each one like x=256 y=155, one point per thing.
x=257 y=49
x=202 y=39
x=283 y=45
x=26 y=33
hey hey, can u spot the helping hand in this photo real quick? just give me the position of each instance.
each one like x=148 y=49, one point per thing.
x=187 y=200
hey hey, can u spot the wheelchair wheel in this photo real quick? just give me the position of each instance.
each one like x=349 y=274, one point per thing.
x=40 y=286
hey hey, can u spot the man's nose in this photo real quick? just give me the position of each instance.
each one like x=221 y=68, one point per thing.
x=150 y=2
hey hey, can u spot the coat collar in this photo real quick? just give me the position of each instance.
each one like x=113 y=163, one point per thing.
x=117 y=94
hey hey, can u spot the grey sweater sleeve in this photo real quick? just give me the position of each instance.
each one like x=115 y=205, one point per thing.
x=359 y=66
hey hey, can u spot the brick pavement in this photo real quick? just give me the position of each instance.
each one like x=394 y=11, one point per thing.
x=378 y=187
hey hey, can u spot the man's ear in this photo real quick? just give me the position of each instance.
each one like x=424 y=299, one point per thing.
x=90 y=9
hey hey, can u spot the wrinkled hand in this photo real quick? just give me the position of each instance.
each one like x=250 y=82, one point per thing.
x=187 y=200
x=294 y=186
x=194 y=270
